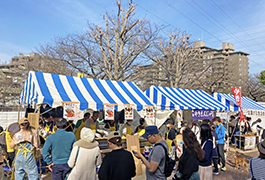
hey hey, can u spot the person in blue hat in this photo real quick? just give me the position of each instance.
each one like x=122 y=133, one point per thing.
x=155 y=165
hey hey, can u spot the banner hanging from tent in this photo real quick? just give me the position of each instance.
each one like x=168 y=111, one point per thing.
x=200 y=114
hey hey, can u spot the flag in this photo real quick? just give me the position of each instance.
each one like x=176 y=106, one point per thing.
x=237 y=96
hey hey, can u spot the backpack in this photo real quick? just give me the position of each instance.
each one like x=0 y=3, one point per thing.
x=169 y=164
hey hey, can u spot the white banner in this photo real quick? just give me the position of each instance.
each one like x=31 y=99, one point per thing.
x=250 y=142
x=109 y=112
x=222 y=115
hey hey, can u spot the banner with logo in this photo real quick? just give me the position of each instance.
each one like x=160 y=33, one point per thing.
x=109 y=112
x=128 y=111
x=200 y=114
x=237 y=96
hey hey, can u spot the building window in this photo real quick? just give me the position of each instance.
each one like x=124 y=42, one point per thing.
x=204 y=57
x=239 y=59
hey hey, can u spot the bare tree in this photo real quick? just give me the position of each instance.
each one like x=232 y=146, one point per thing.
x=111 y=51
x=177 y=59
x=255 y=90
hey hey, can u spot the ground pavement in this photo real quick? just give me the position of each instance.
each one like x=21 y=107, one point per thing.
x=230 y=174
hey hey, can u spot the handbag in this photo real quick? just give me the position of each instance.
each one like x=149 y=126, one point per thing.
x=67 y=175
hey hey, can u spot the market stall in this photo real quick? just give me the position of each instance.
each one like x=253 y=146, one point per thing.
x=185 y=103
x=250 y=108
x=75 y=93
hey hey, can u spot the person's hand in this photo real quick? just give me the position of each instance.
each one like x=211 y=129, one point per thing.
x=50 y=166
x=49 y=133
x=137 y=154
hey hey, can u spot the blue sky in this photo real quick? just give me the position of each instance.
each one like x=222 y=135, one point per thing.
x=25 y=24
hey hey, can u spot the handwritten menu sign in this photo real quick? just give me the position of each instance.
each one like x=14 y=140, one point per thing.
x=128 y=112
x=149 y=113
x=109 y=112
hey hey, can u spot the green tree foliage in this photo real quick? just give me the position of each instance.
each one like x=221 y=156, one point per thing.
x=262 y=77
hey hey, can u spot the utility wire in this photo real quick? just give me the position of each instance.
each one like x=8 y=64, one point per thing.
x=232 y=34
x=202 y=27
x=235 y=23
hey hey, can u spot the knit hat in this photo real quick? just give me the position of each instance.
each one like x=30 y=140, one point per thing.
x=87 y=134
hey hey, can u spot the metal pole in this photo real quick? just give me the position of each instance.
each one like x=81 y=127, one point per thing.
x=239 y=135
x=18 y=111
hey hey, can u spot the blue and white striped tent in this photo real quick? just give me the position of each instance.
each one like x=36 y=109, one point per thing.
x=54 y=89
x=230 y=103
x=173 y=98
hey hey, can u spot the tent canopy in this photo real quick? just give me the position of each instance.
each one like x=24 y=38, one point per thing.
x=173 y=98
x=54 y=89
x=230 y=103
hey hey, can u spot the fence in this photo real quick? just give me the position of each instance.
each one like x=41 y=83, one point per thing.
x=7 y=118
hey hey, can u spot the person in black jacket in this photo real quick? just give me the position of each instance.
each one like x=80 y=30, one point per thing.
x=119 y=163
x=189 y=161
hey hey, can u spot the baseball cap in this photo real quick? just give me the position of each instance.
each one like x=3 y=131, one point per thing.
x=113 y=134
x=150 y=130
x=23 y=120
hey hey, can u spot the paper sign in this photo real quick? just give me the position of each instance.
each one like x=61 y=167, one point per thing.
x=70 y=111
x=34 y=119
x=109 y=112
x=149 y=113
x=128 y=112
x=200 y=114
x=221 y=115
x=250 y=142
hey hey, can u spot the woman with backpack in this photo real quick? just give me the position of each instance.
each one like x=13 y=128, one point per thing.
x=205 y=168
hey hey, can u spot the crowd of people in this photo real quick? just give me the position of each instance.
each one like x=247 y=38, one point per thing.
x=72 y=152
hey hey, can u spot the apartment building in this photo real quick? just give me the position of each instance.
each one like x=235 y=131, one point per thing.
x=13 y=75
x=218 y=70
x=228 y=67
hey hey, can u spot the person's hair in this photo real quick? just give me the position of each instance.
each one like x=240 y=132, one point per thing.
x=248 y=118
x=258 y=120
x=41 y=122
x=95 y=112
x=1 y=129
x=54 y=114
x=232 y=117
x=46 y=115
x=86 y=114
x=116 y=141
x=261 y=155
x=142 y=121
x=26 y=126
x=206 y=132
x=212 y=126
x=61 y=123
x=217 y=119
x=191 y=143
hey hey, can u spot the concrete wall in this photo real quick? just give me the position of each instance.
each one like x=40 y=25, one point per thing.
x=7 y=118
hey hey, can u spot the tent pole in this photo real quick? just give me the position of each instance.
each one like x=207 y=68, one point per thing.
x=240 y=135
x=18 y=116
x=155 y=116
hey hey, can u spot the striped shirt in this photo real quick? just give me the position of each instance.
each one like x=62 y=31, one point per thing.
x=256 y=168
